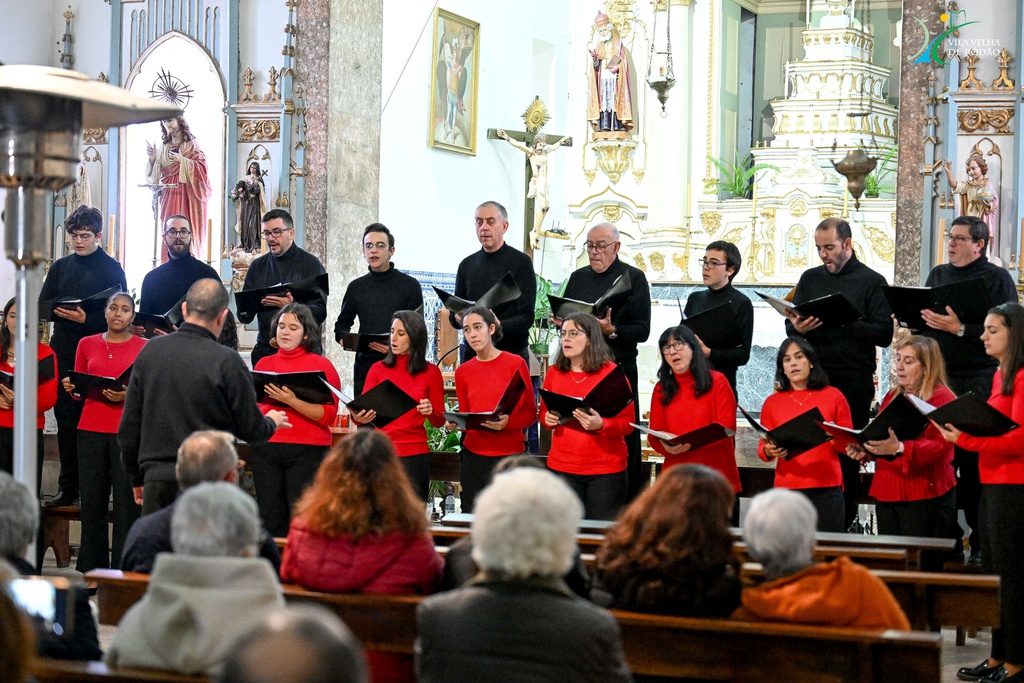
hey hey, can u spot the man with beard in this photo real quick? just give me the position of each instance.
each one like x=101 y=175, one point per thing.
x=166 y=285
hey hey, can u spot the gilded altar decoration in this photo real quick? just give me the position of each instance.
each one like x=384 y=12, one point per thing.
x=1004 y=82
x=657 y=261
x=712 y=221
x=798 y=207
x=994 y=121
x=536 y=115
x=612 y=212
x=94 y=136
x=614 y=157
x=883 y=245
x=247 y=78
x=971 y=82
x=259 y=130
x=796 y=247
x=272 y=94
x=639 y=260
x=826 y=212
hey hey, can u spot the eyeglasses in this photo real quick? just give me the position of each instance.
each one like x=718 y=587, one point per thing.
x=711 y=263
x=381 y=246
x=177 y=233
x=571 y=334
x=673 y=346
x=276 y=232
x=81 y=236
x=958 y=239
x=599 y=246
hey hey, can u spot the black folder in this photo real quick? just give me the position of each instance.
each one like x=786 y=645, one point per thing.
x=698 y=438
x=90 y=304
x=166 y=322
x=247 y=302
x=386 y=398
x=506 y=404
x=832 y=310
x=797 y=436
x=969 y=413
x=307 y=386
x=969 y=299
x=614 y=298
x=609 y=398
x=92 y=386
x=503 y=291
x=44 y=374
x=360 y=342
x=715 y=326
x=905 y=420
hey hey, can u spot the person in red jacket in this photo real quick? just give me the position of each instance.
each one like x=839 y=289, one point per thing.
x=360 y=529
x=480 y=383
x=588 y=451
x=107 y=354
x=916 y=492
x=283 y=467
x=407 y=366
x=1001 y=466
x=801 y=384
x=690 y=395
x=46 y=396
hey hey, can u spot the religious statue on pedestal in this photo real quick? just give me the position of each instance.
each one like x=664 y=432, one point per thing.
x=609 y=97
x=180 y=166
x=538 y=190
x=250 y=195
x=977 y=197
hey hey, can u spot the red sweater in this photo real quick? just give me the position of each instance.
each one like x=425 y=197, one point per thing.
x=303 y=429
x=407 y=432
x=818 y=467
x=479 y=385
x=574 y=450
x=93 y=357
x=686 y=413
x=925 y=470
x=1001 y=458
x=46 y=395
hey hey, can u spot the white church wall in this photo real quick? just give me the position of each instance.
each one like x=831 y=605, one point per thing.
x=30 y=33
x=261 y=37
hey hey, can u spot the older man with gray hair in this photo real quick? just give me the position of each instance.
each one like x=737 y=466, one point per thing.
x=19 y=521
x=517 y=620
x=205 y=456
x=779 y=530
x=206 y=594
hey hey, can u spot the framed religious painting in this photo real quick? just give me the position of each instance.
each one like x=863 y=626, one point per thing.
x=454 y=81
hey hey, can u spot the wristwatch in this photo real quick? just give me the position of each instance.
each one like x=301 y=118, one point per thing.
x=614 y=334
x=960 y=332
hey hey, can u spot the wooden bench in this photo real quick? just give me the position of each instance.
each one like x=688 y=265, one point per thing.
x=872 y=558
x=56 y=523
x=59 y=671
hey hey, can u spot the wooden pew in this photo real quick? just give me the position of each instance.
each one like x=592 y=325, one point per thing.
x=56 y=523
x=59 y=671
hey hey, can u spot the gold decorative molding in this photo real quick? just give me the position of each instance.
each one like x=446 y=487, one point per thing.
x=94 y=136
x=657 y=261
x=712 y=221
x=796 y=247
x=798 y=207
x=826 y=212
x=1004 y=82
x=612 y=212
x=982 y=120
x=893 y=222
x=883 y=245
x=590 y=174
x=638 y=259
x=272 y=94
x=247 y=79
x=638 y=175
x=613 y=157
x=259 y=130
x=971 y=82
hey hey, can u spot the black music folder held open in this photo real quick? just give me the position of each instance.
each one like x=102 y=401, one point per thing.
x=360 y=342
x=698 y=438
x=833 y=310
x=90 y=304
x=307 y=386
x=969 y=299
x=608 y=398
x=248 y=302
x=389 y=402
x=44 y=373
x=798 y=435
x=905 y=420
x=166 y=322
x=614 y=298
x=503 y=291
x=506 y=404
x=969 y=413
x=715 y=326
x=92 y=386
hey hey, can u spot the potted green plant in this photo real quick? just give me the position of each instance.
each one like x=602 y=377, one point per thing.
x=737 y=177
x=873 y=186
x=543 y=332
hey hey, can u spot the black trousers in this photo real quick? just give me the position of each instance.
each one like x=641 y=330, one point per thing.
x=1002 y=537
x=100 y=471
x=965 y=463
x=417 y=468
x=281 y=472
x=603 y=495
x=156 y=495
x=859 y=390
x=475 y=472
x=636 y=479
x=7 y=454
x=828 y=501
x=929 y=518
x=68 y=412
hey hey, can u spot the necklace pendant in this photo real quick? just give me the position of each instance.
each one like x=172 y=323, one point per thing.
x=110 y=355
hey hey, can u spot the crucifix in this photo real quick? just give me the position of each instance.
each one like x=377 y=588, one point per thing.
x=535 y=145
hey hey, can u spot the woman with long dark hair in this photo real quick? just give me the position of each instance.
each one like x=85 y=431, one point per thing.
x=1001 y=466
x=283 y=467
x=588 y=451
x=406 y=365
x=801 y=385
x=250 y=204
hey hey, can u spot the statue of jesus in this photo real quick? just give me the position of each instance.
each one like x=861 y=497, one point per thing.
x=538 y=190
x=180 y=160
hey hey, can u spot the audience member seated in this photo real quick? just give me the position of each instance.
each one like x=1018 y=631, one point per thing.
x=206 y=593
x=299 y=644
x=779 y=531
x=205 y=456
x=19 y=524
x=17 y=643
x=517 y=620
x=671 y=550
x=459 y=567
x=359 y=528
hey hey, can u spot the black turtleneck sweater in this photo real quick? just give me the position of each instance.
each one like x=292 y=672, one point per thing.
x=632 y=321
x=480 y=271
x=966 y=355
x=373 y=298
x=848 y=349
x=165 y=286
x=269 y=270
x=727 y=361
x=80 y=277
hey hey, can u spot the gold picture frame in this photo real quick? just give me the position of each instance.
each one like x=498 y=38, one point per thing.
x=454 y=81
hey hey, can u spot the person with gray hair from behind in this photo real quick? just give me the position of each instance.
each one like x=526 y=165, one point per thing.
x=205 y=456
x=517 y=620
x=299 y=644
x=779 y=531
x=206 y=594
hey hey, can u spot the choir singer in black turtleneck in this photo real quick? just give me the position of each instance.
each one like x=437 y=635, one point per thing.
x=374 y=298
x=719 y=266
x=166 y=285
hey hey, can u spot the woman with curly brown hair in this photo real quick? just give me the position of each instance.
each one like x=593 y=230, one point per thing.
x=671 y=550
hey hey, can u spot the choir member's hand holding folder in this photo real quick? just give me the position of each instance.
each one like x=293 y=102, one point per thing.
x=90 y=304
x=901 y=416
x=360 y=342
x=969 y=300
x=45 y=373
x=386 y=402
x=506 y=404
x=969 y=414
x=249 y=302
x=698 y=438
x=796 y=436
x=503 y=291
x=617 y=295
x=307 y=386
x=161 y=324
x=608 y=398
x=833 y=310
x=95 y=387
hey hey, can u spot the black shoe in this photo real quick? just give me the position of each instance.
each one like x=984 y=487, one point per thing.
x=62 y=499
x=975 y=560
x=975 y=673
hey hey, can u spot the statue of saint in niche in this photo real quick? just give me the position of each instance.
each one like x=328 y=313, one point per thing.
x=250 y=196
x=180 y=161
x=978 y=199
x=609 y=97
